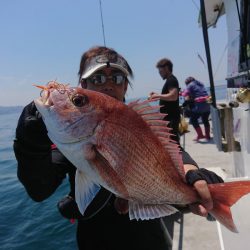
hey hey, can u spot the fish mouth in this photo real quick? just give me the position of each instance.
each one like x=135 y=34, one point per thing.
x=44 y=95
x=43 y=102
x=46 y=100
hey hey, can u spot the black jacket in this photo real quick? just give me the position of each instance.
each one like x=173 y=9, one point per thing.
x=42 y=169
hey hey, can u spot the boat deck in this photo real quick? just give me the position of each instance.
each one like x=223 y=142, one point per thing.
x=192 y=231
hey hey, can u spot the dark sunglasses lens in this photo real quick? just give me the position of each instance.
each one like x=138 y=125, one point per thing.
x=98 y=79
x=118 y=79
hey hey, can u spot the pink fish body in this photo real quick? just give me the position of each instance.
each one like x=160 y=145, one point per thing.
x=127 y=150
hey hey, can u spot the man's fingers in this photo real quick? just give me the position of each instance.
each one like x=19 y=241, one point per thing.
x=203 y=191
x=198 y=209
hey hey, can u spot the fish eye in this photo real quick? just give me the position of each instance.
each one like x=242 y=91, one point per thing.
x=79 y=100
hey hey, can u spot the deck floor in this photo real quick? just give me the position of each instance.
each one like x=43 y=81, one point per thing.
x=192 y=231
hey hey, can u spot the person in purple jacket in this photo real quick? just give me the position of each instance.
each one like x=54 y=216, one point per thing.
x=196 y=94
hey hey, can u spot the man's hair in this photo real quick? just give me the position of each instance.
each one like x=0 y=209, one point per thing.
x=189 y=79
x=95 y=51
x=165 y=62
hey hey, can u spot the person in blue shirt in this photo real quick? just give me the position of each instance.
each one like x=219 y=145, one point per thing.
x=196 y=94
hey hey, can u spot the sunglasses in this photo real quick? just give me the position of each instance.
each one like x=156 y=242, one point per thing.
x=101 y=79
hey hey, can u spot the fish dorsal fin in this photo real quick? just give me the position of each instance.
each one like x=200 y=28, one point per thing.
x=152 y=116
x=149 y=211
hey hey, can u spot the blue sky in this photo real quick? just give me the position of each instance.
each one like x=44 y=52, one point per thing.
x=44 y=40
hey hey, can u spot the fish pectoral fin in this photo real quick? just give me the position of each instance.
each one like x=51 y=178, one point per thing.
x=85 y=190
x=149 y=211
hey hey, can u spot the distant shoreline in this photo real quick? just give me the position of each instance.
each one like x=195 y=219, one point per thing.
x=10 y=109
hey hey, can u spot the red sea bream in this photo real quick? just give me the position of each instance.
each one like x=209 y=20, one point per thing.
x=127 y=150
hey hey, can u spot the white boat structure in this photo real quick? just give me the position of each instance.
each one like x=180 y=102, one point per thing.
x=231 y=121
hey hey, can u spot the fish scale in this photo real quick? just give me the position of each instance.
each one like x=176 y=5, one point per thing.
x=148 y=173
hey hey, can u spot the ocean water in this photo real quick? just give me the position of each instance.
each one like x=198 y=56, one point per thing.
x=25 y=224
x=220 y=92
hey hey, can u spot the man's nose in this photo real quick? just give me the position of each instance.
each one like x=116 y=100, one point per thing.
x=108 y=85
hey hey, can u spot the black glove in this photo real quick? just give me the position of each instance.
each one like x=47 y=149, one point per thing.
x=202 y=174
x=31 y=129
x=68 y=208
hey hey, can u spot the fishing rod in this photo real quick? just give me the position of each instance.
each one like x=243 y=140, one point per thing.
x=103 y=32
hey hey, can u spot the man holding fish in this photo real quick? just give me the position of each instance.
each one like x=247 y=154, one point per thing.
x=119 y=158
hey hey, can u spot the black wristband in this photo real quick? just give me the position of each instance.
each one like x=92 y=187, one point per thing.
x=202 y=174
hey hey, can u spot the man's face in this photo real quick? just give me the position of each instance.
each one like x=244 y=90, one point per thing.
x=109 y=81
x=164 y=72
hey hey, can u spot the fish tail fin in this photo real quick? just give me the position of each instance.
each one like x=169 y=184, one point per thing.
x=224 y=196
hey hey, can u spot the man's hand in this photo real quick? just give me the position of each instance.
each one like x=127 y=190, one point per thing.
x=153 y=96
x=206 y=199
x=200 y=178
x=31 y=128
